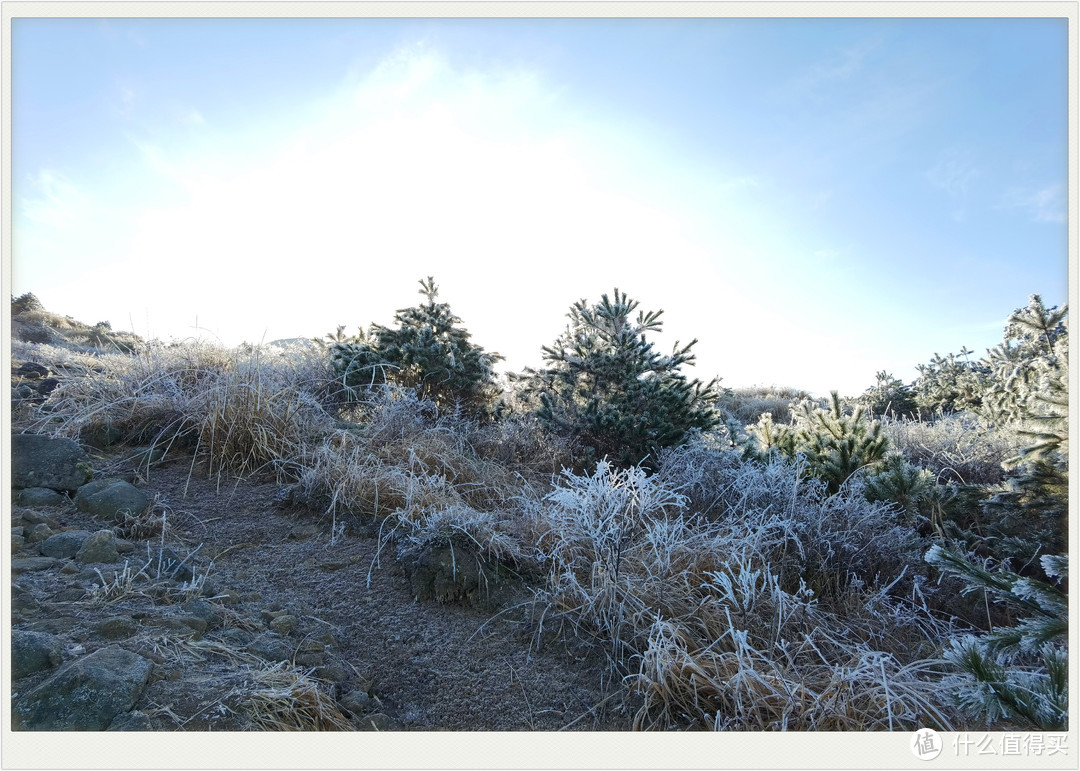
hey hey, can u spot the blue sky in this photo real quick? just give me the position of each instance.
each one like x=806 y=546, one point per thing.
x=815 y=200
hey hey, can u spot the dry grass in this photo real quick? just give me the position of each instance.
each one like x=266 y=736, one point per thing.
x=243 y=410
x=285 y=698
x=746 y=405
x=729 y=594
x=958 y=447
x=776 y=612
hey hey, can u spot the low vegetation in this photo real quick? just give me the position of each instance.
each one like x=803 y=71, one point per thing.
x=751 y=559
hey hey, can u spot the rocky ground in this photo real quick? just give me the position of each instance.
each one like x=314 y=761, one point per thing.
x=278 y=620
x=224 y=604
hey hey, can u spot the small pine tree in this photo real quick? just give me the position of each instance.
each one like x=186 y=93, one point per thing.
x=835 y=444
x=25 y=303
x=947 y=384
x=605 y=385
x=900 y=482
x=428 y=351
x=1017 y=672
x=889 y=396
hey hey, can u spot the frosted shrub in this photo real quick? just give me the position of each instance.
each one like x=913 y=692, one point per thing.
x=957 y=447
x=242 y=409
x=783 y=608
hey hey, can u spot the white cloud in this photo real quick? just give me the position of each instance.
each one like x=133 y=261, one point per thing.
x=54 y=201
x=954 y=173
x=1042 y=204
x=838 y=67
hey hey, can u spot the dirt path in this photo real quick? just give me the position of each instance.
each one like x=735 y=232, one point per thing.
x=374 y=648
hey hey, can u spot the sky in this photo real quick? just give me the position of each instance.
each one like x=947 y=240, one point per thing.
x=813 y=200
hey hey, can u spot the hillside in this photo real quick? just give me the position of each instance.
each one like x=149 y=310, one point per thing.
x=250 y=539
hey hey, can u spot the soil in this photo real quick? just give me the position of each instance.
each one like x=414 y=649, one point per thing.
x=376 y=657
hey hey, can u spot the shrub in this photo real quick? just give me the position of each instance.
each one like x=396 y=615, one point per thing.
x=835 y=444
x=784 y=609
x=25 y=302
x=746 y=405
x=889 y=396
x=428 y=352
x=947 y=384
x=606 y=387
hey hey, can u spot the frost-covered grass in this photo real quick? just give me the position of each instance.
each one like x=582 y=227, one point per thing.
x=782 y=609
x=728 y=594
x=958 y=447
x=243 y=410
x=746 y=405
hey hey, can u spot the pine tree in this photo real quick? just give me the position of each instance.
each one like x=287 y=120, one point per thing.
x=947 y=384
x=889 y=396
x=835 y=444
x=1017 y=672
x=606 y=386
x=428 y=351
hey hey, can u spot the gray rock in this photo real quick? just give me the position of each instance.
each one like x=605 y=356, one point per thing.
x=100 y=547
x=34 y=652
x=237 y=637
x=38 y=496
x=72 y=594
x=171 y=567
x=56 y=625
x=23 y=602
x=37 y=533
x=377 y=722
x=270 y=646
x=86 y=694
x=284 y=625
x=17 y=541
x=357 y=702
x=147 y=456
x=30 y=564
x=103 y=436
x=117 y=627
x=131 y=721
x=37 y=517
x=111 y=499
x=201 y=609
x=42 y=461
x=64 y=545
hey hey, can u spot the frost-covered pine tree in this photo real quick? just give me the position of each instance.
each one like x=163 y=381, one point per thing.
x=889 y=396
x=1017 y=673
x=428 y=351
x=606 y=386
x=835 y=444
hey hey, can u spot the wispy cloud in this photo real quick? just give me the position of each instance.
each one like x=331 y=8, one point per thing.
x=840 y=66
x=1042 y=204
x=54 y=201
x=954 y=173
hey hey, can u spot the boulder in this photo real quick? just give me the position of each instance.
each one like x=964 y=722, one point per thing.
x=34 y=652
x=38 y=496
x=31 y=370
x=42 y=461
x=85 y=694
x=110 y=499
x=64 y=545
x=100 y=547
x=33 y=564
x=37 y=533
